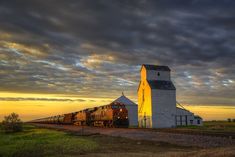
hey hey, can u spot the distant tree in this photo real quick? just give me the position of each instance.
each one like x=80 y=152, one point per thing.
x=233 y=120
x=229 y=120
x=12 y=123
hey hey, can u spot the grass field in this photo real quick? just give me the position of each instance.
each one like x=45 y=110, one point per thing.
x=219 y=126
x=213 y=126
x=210 y=128
x=35 y=142
x=39 y=142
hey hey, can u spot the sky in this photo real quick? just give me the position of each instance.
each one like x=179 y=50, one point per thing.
x=60 y=56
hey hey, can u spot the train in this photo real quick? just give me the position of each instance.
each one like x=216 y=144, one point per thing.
x=111 y=115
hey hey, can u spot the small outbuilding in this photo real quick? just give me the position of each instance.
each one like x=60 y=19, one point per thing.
x=132 y=110
x=184 y=117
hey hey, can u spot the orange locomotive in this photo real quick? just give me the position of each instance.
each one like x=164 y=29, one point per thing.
x=112 y=115
x=83 y=117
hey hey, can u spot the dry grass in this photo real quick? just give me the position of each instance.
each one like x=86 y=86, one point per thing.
x=213 y=126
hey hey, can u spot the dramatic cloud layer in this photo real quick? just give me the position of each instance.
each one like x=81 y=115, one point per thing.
x=37 y=99
x=95 y=48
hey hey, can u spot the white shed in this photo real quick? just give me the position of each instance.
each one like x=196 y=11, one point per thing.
x=132 y=110
x=185 y=117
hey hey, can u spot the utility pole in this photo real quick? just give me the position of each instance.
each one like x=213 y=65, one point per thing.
x=145 y=119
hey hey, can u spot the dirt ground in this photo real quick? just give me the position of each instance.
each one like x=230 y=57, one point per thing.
x=187 y=140
x=116 y=147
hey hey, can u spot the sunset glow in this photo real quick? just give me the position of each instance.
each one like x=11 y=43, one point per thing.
x=48 y=105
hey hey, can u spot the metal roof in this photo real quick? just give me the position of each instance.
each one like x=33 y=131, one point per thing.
x=197 y=117
x=123 y=99
x=178 y=108
x=156 y=67
x=160 y=84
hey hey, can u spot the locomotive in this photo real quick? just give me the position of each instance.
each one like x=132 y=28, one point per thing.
x=111 y=115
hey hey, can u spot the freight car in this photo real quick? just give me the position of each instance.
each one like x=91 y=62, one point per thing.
x=67 y=118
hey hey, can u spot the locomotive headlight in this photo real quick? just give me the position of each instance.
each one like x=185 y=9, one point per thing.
x=126 y=117
x=118 y=117
x=121 y=110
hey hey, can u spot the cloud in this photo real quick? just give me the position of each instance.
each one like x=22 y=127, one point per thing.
x=37 y=99
x=96 y=48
